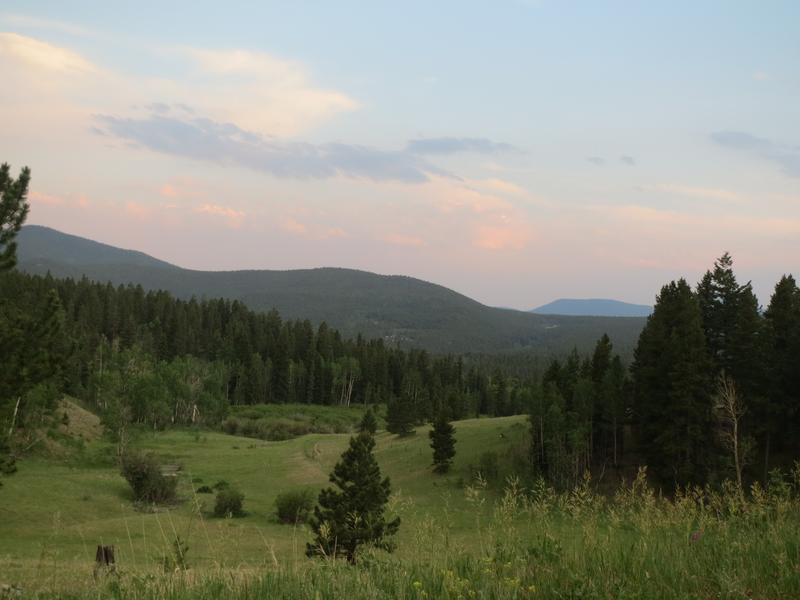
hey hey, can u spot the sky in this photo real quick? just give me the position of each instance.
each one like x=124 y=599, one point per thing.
x=514 y=151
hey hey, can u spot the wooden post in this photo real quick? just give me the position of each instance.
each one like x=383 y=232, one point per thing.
x=104 y=560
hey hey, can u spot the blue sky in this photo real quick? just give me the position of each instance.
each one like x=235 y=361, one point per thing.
x=514 y=151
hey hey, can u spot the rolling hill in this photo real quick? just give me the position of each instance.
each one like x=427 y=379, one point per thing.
x=593 y=307
x=402 y=310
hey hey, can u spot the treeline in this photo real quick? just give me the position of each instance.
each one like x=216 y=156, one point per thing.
x=694 y=345
x=713 y=391
x=152 y=359
x=578 y=414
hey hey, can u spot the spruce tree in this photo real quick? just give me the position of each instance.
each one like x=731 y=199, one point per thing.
x=735 y=335
x=781 y=411
x=369 y=424
x=717 y=295
x=673 y=386
x=399 y=416
x=443 y=442
x=353 y=513
x=13 y=211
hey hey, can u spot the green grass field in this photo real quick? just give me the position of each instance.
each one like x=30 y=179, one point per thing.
x=54 y=513
x=455 y=541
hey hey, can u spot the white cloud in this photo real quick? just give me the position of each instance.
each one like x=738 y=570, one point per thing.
x=259 y=92
x=41 y=55
x=694 y=191
x=262 y=92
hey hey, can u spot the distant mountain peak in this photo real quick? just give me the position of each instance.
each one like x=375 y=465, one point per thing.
x=593 y=307
x=38 y=243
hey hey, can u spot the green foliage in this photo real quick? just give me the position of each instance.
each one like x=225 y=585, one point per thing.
x=780 y=410
x=175 y=559
x=148 y=484
x=13 y=211
x=353 y=515
x=32 y=341
x=488 y=468
x=8 y=463
x=277 y=422
x=369 y=424
x=443 y=442
x=400 y=416
x=575 y=544
x=673 y=384
x=294 y=506
x=229 y=503
x=353 y=302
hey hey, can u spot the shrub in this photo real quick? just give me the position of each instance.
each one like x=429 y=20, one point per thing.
x=230 y=426
x=221 y=485
x=229 y=503
x=143 y=474
x=204 y=489
x=488 y=467
x=294 y=506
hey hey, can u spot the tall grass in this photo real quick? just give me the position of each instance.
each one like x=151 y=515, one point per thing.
x=535 y=543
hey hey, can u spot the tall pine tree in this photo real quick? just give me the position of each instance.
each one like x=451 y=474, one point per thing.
x=368 y=424
x=353 y=513
x=781 y=412
x=673 y=385
x=13 y=211
x=400 y=416
x=443 y=442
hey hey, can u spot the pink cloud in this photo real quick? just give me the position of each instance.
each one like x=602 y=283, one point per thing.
x=168 y=191
x=399 y=239
x=312 y=231
x=49 y=200
x=137 y=210
x=234 y=217
x=501 y=237
x=293 y=226
x=336 y=232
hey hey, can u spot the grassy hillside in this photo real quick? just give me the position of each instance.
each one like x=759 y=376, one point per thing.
x=400 y=309
x=454 y=542
x=54 y=512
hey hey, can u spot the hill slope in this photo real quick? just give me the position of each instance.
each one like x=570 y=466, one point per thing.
x=598 y=307
x=399 y=309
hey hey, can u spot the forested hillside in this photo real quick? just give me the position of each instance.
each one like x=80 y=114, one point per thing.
x=158 y=360
x=401 y=310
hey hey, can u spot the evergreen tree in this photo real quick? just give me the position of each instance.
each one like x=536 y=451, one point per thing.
x=717 y=295
x=781 y=411
x=612 y=399
x=13 y=211
x=443 y=442
x=369 y=424
x=673 y=385
x=735 y=334
x=353 y=513
x=400 y=416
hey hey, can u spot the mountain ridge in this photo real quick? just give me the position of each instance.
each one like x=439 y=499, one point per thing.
x=597 y=307
x=398 y=308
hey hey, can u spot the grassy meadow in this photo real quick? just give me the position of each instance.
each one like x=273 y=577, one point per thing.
x=459 y=538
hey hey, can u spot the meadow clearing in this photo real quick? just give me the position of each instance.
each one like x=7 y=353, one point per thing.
x=460 y=537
